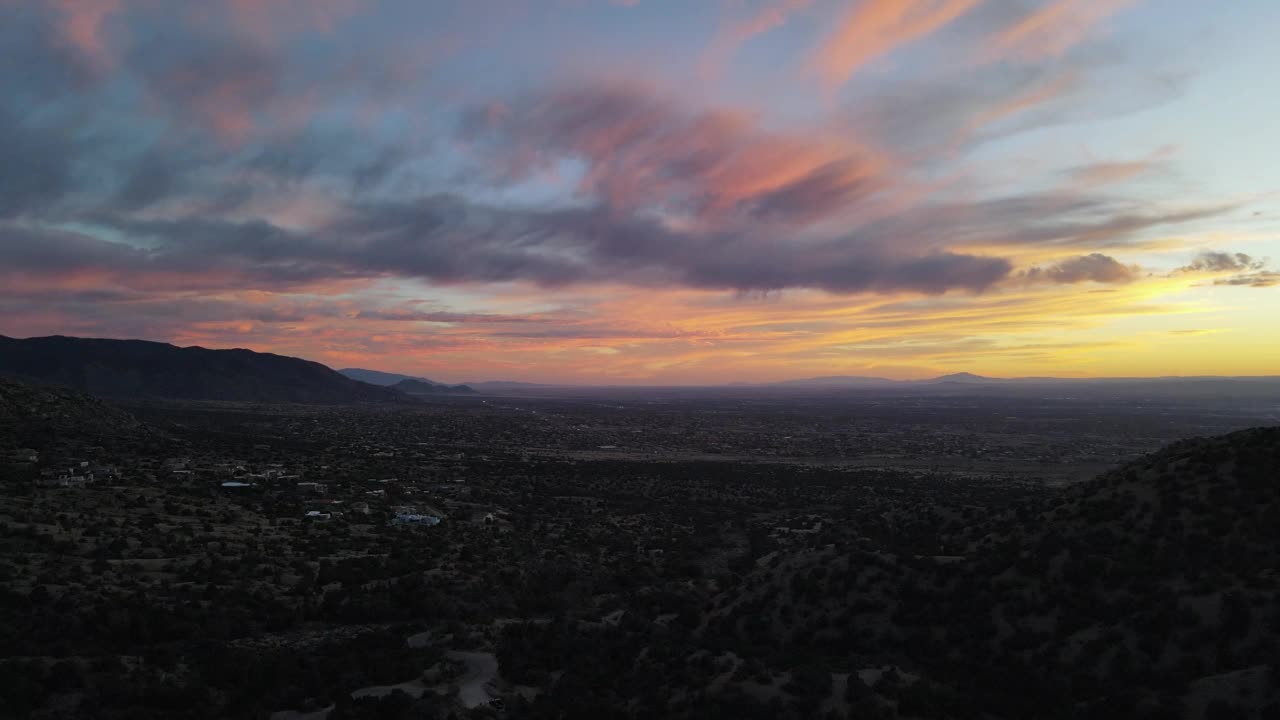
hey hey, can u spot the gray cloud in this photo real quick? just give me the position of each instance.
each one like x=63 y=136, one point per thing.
x=644 y=150
x=928 y=120
x=443 y=316
x=446 y=239
x=1213 y=261
x=1266 y=278
x=1251 y=271
x=1094 y=267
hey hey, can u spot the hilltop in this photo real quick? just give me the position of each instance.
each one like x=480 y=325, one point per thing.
x=139 y=369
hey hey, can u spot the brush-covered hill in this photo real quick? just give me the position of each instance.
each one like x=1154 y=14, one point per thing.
x=37 y=416
x=24 y=404
x=138 y=369
x=1152 y=591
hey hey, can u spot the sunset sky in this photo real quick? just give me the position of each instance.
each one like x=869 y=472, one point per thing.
x=649 y=191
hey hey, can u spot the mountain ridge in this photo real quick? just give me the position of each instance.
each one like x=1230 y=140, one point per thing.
x=143 y=369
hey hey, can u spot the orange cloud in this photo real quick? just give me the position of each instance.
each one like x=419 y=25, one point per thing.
x=1115 y=171
x=873 y=28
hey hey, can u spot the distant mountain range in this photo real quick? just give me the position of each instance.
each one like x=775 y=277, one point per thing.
x=500 y=385
x=377 y=377
x=413 y=385
x=138 y=369
x=972 y=379
x=864 y=381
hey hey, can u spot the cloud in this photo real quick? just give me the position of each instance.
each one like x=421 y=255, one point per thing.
x=1249 y=271
x=643 y=149
x=1257 y=280
x=81 y=25
x=443 y=316
x=873 y=28
x=446 y=239
x=959 y=109
x=1052 y=29
x=1116 y=171
x=266 y=19
x=1214 y=261
x=728 y=39
x=668 y=194
x=210 y=81
x=1094 y=267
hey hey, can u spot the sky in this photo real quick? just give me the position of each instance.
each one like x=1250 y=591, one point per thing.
x=650 y=191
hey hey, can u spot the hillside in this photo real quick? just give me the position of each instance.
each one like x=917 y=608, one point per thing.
x=28 y=413
x=138 y=369
x=1148 y=592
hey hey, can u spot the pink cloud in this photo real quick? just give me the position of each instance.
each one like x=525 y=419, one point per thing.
x=643 y=150
x=874 y=28
x=732 y=37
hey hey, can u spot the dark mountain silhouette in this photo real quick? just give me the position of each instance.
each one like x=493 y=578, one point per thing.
x=411 y=386
x=139 y=369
